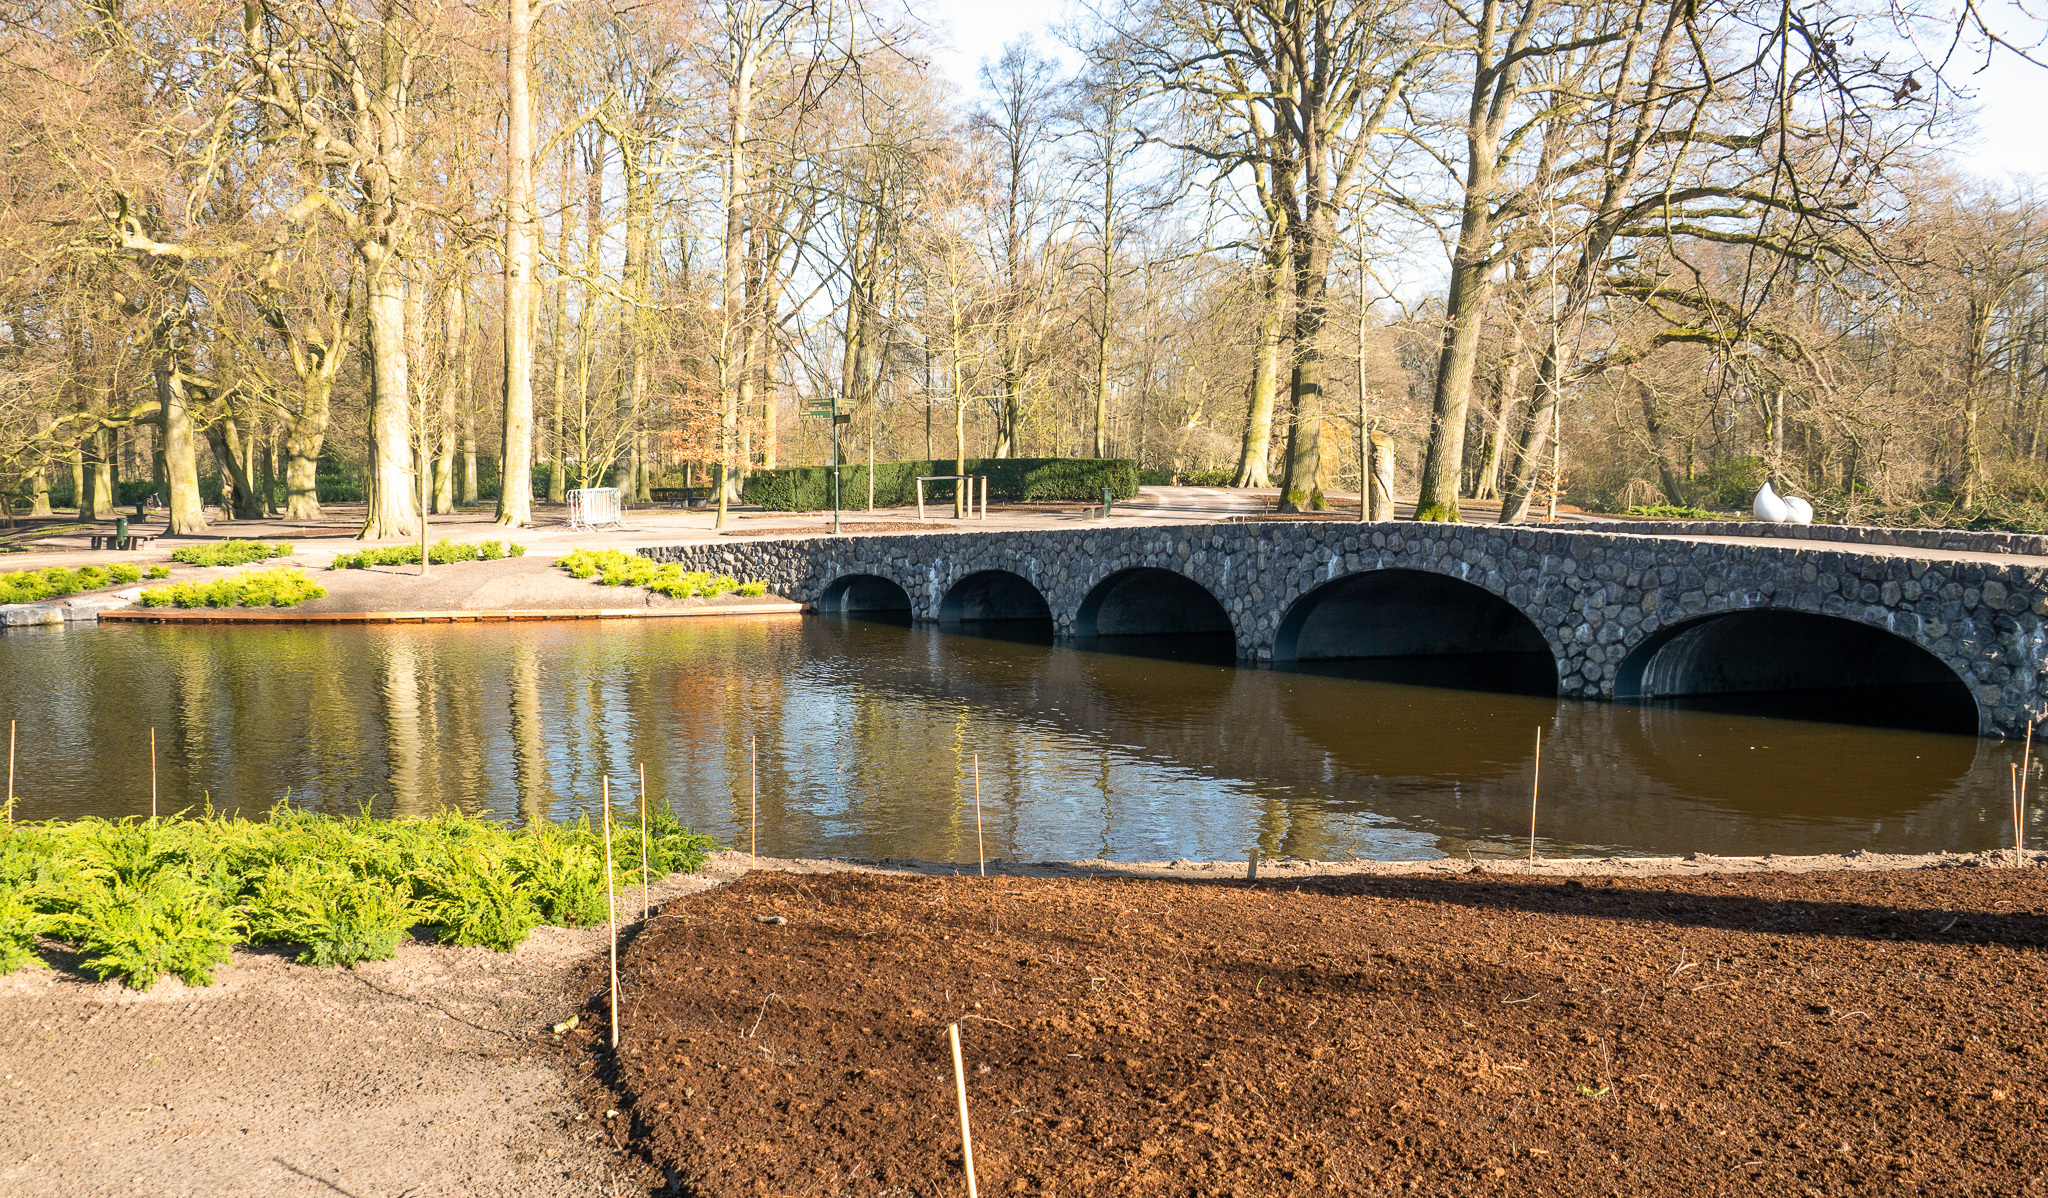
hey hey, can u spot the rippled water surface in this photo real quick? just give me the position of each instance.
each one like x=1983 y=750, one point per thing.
x=860 y=740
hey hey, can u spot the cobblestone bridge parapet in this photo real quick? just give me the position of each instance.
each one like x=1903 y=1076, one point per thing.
x=1594 y=596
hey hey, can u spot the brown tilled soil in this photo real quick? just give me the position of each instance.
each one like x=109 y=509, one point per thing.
x=1815 y=1034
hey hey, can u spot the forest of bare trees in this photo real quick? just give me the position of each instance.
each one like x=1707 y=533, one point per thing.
x=1613 y=253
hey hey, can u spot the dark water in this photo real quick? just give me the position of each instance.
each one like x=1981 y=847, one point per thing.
x=867 y=733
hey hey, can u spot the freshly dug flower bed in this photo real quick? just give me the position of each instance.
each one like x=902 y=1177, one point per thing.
x=1775 y=1034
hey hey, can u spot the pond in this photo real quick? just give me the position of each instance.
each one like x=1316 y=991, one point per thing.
x=860 y=738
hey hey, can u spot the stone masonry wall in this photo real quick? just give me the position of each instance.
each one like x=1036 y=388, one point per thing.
x=1595 y=596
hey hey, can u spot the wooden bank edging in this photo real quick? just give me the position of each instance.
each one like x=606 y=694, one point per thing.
x=154 y=616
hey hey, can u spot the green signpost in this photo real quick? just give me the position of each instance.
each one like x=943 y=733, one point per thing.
x=829 y=409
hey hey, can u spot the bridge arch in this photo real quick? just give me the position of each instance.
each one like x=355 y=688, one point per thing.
x=864 y=594
x=993 y=595
x=1420 y=617
x=1150 y=601
x=1830 y=667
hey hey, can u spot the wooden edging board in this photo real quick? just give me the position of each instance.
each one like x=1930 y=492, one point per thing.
x=209 y=616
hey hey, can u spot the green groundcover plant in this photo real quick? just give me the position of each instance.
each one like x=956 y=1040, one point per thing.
x=443 y=552
x=141 y=899
x=283 y=586
x=34 y=586
x=231 y=553
x=617 y=569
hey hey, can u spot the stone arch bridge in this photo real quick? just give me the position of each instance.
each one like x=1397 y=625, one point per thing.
x=1622 y=615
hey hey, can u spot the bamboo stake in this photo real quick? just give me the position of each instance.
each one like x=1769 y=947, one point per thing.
x=2019 y=825
x=644 y=901
x=1535 y=781
x=10 y=771
x=2014 y=799
x=754 y=798
x=979 y=854
x=152 y=771
x=611 y=907
x=960 y=1088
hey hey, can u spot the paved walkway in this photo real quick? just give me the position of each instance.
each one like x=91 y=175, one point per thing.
x=317 y=543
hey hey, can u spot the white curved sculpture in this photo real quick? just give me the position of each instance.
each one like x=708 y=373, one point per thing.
x=1769 y=508
x=1772 y=509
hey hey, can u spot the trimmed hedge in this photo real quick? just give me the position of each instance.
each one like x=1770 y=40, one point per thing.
x=1010 y=480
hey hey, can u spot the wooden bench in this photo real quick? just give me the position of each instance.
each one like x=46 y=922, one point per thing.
x=134 y=540
x=681 y=496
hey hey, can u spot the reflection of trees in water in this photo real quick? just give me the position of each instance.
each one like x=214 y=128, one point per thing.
x=531 y=783
x=867 y=731
x=398 y=691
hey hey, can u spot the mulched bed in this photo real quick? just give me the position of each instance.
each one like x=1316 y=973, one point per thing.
x=1775 y=1034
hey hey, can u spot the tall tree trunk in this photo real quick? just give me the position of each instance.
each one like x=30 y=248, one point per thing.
x=455 y=326
x=394 y=511
x=736 y=323
x=235 y=451
x=1299 y=488
x=515 y=449
x=1464 y=321
x=639 y=231
x=187 y=516
x=304 y=441
x=467 y=495
x=558 y=468
x=1256 y=450
x=1660 y=445
x=39 y=478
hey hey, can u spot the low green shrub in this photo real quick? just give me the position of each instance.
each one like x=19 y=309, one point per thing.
x=1010 y=480
x=562 y=877
x=20 y=924
x=138 y=933
x=443 y=552
x=34 y=586
x=478 y=903
x=157 y=572
x=284 y=586
x=143 y=899
x=336 y=917
x=616 y=568
x=230 y=553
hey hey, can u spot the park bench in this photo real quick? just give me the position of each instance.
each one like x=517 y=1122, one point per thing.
x=134 y=540
x=121 y=538
x=681 y=496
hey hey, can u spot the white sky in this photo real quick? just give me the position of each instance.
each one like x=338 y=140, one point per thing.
x=2013 y=94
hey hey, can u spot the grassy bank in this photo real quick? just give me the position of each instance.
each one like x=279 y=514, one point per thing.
x=140 y=899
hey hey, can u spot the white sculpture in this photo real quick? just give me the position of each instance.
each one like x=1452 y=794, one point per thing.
x=1773 y=510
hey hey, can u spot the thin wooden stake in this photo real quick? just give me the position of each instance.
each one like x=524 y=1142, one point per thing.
x=754 y=798
x=2014 y=799
x=1251 y=865
x=10 y=770
x=979 y=854
x=2019 y=825
x=1535 y=781
x=960 y=1087
x=152 y=771
x=645 y=903
x=611 y=907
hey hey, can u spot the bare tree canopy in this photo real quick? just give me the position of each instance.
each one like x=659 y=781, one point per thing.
x=294 y=255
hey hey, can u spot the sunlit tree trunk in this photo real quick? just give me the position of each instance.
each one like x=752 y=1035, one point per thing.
x=515 y=449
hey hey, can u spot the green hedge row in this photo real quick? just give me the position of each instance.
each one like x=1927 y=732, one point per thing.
x=1010 y=480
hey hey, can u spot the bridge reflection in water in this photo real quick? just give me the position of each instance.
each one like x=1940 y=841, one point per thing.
x=866 y=729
